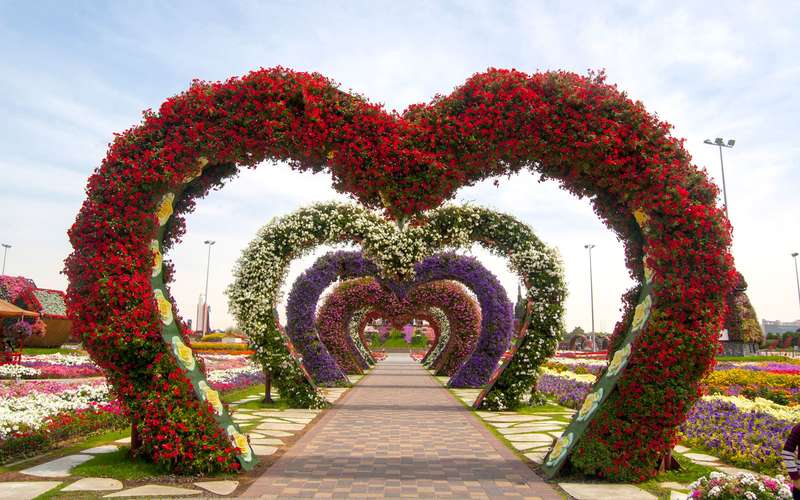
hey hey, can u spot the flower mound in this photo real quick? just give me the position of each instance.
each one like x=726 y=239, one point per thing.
x=740 y=486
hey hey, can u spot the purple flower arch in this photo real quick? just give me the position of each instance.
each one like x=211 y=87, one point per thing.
x=301 y=310
x=496 y=309
x=497 y=316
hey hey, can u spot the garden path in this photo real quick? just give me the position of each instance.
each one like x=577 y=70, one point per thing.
x=400 y=433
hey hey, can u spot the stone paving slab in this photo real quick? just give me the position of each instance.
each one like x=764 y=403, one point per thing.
x=99 y=450
x=154 y=490
x=94 y=484
x=399 y=433
x=59 y=467
x=600 y=491
x=25 y=490
x=218 y=487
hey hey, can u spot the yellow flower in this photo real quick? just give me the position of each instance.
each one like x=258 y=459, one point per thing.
x=641 y=313
x=331 y=154
x=590 y=403
x=240 y=440
x=641 y=218
x=618 y=360
x=560 y=448
x=183 y=353
x=164 y=307
x=648 y=273
x=211 y=396
x=165 y=208
x=157 y=258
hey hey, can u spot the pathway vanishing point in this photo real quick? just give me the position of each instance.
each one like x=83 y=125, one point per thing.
x=399 y=433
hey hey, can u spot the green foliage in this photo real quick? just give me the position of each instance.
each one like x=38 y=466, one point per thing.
x=212 y=337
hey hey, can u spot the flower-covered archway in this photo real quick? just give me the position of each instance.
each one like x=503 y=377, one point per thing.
x=578 y=130
x=335 y=314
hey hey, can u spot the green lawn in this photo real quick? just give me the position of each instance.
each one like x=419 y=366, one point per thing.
x=117 y=465
x=51 y=350
x=782 y=359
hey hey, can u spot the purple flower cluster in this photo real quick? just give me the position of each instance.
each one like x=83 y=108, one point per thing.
x=566 y=391
x=749 y=439
x=301 y=310
x=787 y=368
x=496 y=312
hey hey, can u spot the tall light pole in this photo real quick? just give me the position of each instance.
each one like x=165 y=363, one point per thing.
x=722 y=144
x=591 y=292
x=6 y=246
x=210 y=243
x=796 y=275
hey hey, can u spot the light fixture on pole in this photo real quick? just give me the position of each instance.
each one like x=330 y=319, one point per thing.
x=591 y=293
x=6 y=246
x=205 y=295
x=722 y=144
x=796 y=275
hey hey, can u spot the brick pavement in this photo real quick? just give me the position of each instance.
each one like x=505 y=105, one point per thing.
x=399 y=433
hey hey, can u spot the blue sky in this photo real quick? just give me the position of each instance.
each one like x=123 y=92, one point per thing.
x=73 y=73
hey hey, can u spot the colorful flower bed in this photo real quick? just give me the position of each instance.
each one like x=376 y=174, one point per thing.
x=36 y=414
x=740 y=486
x=744 y=437
x=745 y=431
x=62 y=366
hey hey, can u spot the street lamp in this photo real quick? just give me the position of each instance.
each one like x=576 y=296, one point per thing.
x=591 y=292
x=721 y=144
x=796 y=275
x=210 y=243
x=6 y=246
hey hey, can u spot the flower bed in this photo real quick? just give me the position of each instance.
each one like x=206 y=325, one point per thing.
x=567 y=391
x=743 y=437
x=740 y=486
x=235 y=378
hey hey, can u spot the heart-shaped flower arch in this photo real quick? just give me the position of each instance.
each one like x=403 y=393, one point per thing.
x=456 y=323
x=336 y=310
x=575 y=129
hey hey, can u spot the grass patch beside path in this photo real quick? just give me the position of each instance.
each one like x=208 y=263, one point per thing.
x=117 y=465
x=781 y=359
x=689 y=473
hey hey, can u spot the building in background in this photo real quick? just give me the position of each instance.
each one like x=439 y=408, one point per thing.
x=780 y=327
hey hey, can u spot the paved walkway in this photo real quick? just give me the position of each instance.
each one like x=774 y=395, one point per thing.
x=399 y=433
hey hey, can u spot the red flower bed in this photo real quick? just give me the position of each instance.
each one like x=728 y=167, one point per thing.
x=579 y=130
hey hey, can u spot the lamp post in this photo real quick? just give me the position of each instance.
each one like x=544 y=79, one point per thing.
x=591 y=292
x=722 y=144
x=796 y=275
x=6 y=246
x=210 y=243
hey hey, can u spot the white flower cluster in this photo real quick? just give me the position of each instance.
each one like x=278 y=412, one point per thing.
x=263 y=266
x=740 y=485
x=31 y=410
x=230 y=374
x=354 y=329
x=59 y=359
x=444 y=335
x=18 y=372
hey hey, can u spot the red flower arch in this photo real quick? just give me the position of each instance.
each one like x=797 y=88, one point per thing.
x=578 y=130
